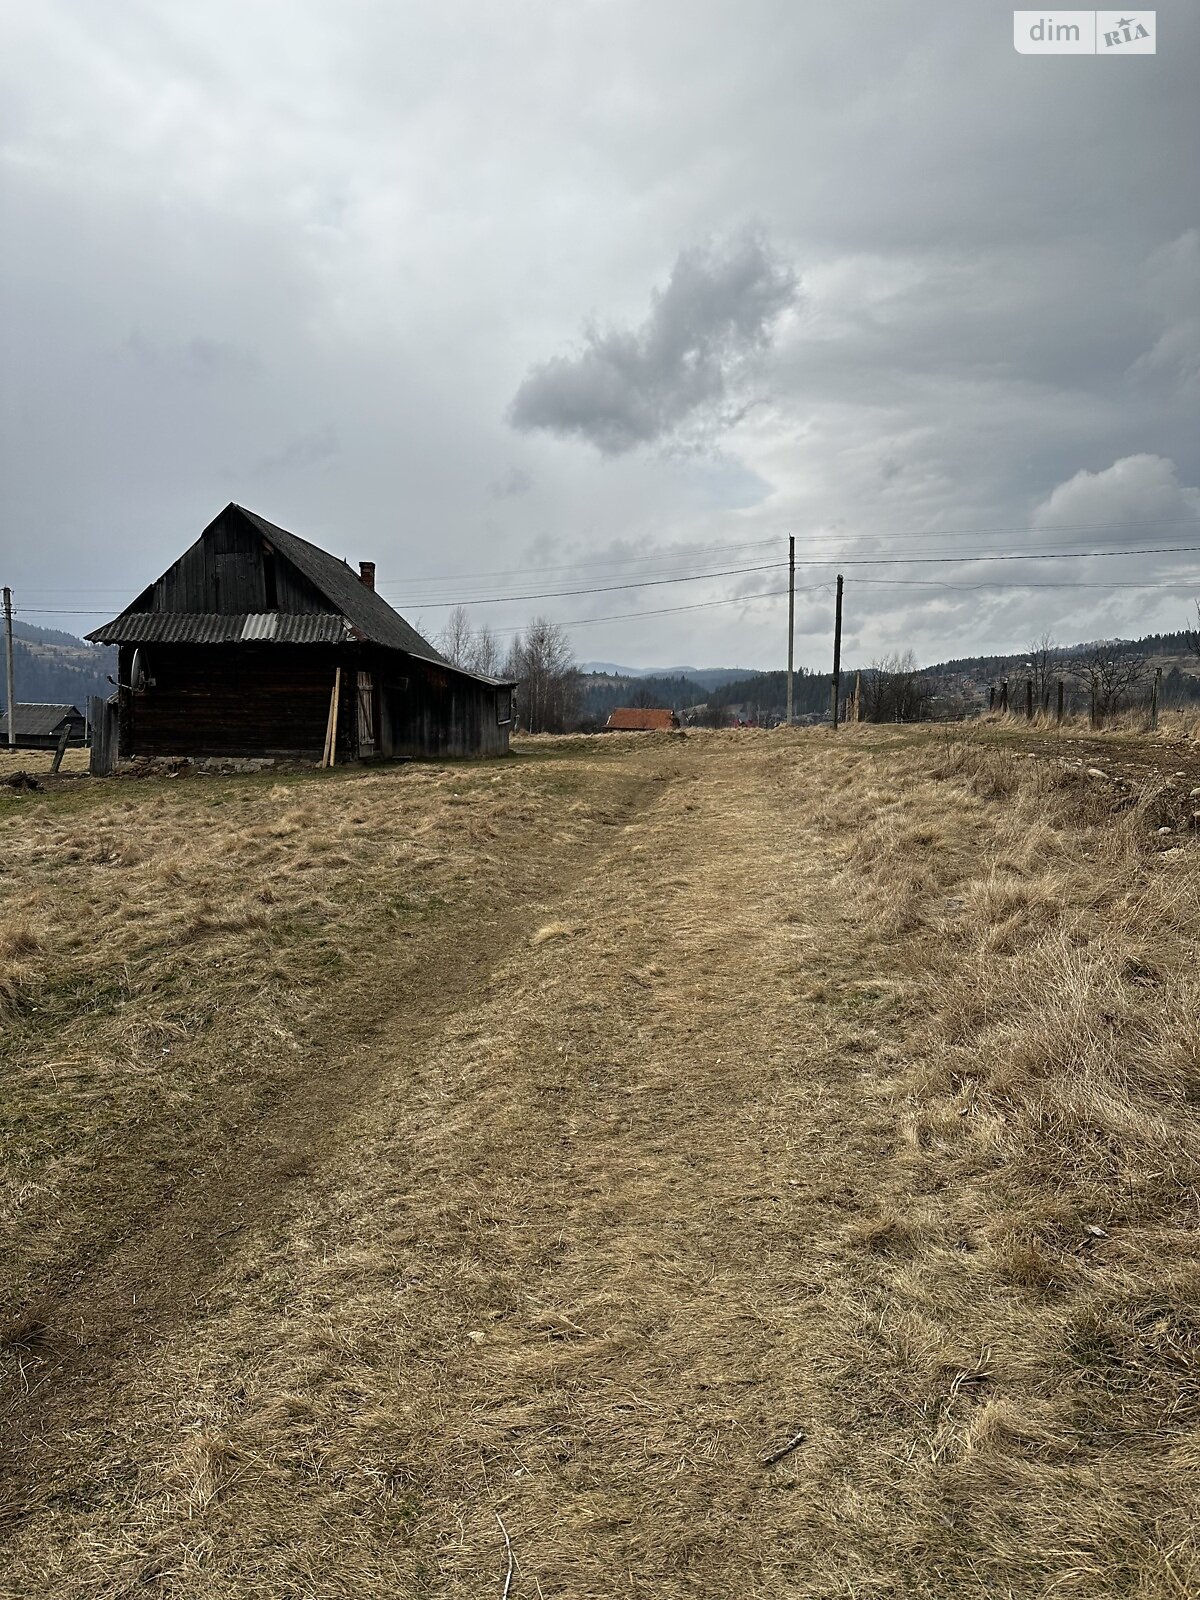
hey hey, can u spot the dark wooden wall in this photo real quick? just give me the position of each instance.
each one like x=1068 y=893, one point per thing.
x=273 y=700
x=438 y=713
x=233 y=700
x=226 y=571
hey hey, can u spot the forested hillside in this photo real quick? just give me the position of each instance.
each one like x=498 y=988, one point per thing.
x=57 y=667
x=604 y=691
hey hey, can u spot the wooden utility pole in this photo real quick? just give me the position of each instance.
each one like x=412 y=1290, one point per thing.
x=791 y=619
x=835 y=687
x=8 y=665
x=857 y=716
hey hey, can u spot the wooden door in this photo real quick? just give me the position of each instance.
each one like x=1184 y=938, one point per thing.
x=366 y=715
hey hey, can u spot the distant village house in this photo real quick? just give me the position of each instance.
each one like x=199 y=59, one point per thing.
x=641 y=719
x=255 y=639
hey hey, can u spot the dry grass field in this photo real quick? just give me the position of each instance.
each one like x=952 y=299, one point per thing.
x=448 y=1181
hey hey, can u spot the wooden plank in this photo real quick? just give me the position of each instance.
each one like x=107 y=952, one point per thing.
x=337 y=699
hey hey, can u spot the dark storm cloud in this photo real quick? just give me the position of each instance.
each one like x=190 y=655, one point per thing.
x=628 y=387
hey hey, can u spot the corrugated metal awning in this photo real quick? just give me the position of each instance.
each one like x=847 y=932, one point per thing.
x=178 y=627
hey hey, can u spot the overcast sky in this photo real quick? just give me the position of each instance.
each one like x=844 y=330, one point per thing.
x=593 y=290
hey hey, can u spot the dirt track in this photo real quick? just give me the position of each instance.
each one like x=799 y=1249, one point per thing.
x=593 y=1213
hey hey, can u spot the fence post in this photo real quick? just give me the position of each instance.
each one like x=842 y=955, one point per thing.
x=1004 y=694
x=1154 y=699
x=1059 y=714
x=1029 y=699
x=103 y=717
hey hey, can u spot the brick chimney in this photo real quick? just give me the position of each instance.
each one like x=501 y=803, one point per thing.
x=366 y=573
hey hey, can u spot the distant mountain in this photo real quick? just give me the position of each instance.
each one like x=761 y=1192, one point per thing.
x=58 y=668
x=710 y=677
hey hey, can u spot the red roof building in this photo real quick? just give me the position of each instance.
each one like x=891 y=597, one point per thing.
x=641 y=719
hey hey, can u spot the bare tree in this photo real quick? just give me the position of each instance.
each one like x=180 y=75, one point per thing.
x=484 y=655
x=1043 y=667
x=542 y=664
x=894 y=689
x=473 y=649
x=643 y=698
x=1193 y=639
x=456 y=638
x=716 y=713
x=1109 y=673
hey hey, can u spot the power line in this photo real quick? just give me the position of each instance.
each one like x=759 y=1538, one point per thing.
x=668 y=557
x=668 y=611
x=833 y=561
x=1184 y=584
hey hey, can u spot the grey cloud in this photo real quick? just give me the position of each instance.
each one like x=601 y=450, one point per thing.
x=199 y=359
x=1139 y=493
x=310 y=449
x=629 y=387
x=516 y=481
x=999 y=253
x=1170 y=281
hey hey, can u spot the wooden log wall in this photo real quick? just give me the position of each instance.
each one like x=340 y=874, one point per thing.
x=235 y=699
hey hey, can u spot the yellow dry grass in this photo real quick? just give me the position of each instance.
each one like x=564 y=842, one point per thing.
x=556 y=1141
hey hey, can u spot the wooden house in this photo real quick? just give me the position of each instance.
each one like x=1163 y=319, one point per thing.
x=41 y=727
x=243 y=645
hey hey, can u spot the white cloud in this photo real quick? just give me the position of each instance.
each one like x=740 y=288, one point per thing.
x=1138 y=498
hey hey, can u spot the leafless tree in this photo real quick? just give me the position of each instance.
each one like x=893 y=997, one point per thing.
x=641 y=697
x=716 y=713
x=895 y=690
x=542 y=664
x=1109 y=674
x=456 y=638
x=484 y=653
x=473 y=649
x=1043 y=668
x=1194 y=638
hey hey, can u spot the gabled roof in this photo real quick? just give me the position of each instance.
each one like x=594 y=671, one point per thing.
x=35 y=718
x=641 y=719
x=355 y=611
x=369 y=612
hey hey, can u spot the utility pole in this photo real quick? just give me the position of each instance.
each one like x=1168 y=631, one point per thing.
x=791 y=619
x=835 y=688
x=8 y=663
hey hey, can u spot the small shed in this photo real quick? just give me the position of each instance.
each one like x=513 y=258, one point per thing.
x=41 y=727
x=641 y=719
x=252 y=639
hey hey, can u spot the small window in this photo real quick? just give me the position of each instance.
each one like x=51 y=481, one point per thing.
x=504 y=706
